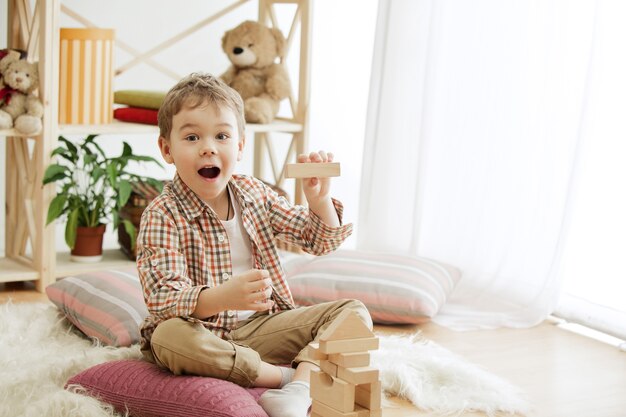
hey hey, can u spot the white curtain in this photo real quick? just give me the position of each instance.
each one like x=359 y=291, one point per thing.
x=474 y=124
x=592 y=267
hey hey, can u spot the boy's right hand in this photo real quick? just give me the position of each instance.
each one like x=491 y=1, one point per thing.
x=251 y=290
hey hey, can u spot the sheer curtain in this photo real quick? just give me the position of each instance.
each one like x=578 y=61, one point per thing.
x=474 y=125
x=592 y=268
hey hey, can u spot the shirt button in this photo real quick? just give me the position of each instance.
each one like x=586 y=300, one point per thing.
x=220 y=238
x=231 y=313
x=225 y=276
x=154 y=262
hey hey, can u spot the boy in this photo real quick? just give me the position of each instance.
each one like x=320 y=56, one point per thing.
x=212 y=281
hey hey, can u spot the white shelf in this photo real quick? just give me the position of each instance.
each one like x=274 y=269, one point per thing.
x=15 y=133
x=111 y=258
x=117 y=127
x=278 y=125
x=11 y=270
x=109 y=129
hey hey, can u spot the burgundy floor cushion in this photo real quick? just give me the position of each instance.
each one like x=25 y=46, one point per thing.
x=145 y=390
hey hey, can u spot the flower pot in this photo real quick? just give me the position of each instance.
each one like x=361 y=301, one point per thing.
x=88 y=247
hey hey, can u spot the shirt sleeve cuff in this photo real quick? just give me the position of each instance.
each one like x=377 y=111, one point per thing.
x=188 y=301
x=334 y=235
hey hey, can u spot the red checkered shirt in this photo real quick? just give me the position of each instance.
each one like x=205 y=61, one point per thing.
x=183 y=248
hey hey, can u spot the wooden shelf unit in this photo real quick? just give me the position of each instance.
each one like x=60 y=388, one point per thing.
x=30 y=253
x=111 y=258
x=15 y=271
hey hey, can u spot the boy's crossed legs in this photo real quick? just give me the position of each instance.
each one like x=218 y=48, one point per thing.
x=248 y=358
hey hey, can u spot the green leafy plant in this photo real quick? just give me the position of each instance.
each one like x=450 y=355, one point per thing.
x=91 y=187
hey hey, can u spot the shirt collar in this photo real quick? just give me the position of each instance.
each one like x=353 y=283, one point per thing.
x=193 y=206
x=240 y=193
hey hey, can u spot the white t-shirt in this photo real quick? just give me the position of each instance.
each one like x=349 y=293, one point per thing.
x=240 y=249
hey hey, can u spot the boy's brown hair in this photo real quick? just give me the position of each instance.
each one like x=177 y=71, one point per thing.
x=195 y=90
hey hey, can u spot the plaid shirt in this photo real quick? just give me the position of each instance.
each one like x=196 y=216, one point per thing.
x=183 y=248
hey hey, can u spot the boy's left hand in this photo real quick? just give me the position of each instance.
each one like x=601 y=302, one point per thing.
x=316 y=190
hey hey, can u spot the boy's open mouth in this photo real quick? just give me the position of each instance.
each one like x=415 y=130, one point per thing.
x=209 y=172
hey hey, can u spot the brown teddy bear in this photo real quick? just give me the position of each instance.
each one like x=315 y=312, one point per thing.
x=252 y=48
x=9 y=54
x=19 y=106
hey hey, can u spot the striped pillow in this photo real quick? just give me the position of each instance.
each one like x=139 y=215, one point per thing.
x=395 y=288
x=106 y=305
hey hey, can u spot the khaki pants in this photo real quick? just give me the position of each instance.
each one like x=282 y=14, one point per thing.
x=189 y=348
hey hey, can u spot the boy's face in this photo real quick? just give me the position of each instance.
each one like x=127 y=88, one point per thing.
x=204 y=145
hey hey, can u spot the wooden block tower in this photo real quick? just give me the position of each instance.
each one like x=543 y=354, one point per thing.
x=346 y=386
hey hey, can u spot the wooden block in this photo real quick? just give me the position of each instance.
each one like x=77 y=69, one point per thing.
x=329 y=368
x=326 y=411
x=335 y=393
x=358 y=376
x=350 y=360
x=315 y=353
x=347 y=325
x=348 y=345
x=369 y=395
x=376 y=413
x=312 y=170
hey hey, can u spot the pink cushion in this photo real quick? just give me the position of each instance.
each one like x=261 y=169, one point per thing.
x=395 y=288
x=106 y=305
x=146 y=390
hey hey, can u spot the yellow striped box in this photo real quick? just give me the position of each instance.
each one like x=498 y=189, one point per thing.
x=86 y=76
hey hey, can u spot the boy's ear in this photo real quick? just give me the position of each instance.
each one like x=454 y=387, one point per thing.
x=164 y=146
x=241 y=145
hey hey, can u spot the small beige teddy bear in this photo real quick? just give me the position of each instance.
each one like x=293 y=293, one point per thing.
x=253 y=48
x=5 y=56
x=19 y=106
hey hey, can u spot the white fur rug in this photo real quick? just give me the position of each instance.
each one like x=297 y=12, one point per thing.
x=435 y=379
x=40 y=351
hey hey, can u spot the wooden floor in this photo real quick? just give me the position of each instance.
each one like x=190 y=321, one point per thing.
x=563 y=373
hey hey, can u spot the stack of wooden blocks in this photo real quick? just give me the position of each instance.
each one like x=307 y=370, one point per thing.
x=346 y=386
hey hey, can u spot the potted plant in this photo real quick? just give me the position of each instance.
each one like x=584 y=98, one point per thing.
x=92 y=188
